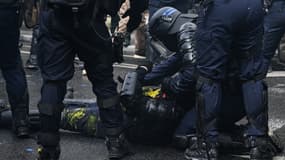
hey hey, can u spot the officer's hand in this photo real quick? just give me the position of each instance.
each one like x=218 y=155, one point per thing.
x=141 y=72
x=165 y=87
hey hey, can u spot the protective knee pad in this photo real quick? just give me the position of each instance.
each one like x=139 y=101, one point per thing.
x=50 y=116
x=111 y=112
x=53 y=92
x=108 y=103
x=258 y=117
x=48 y=139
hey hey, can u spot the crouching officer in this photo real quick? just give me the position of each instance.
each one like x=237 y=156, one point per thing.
x=176 y=73
x=11 y=66
x=274 y=29
x=68 y=28
x=223 y=32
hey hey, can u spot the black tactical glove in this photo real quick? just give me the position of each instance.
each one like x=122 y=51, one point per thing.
x=165 y=87
x=118 y=47
x=141 y=72
x=137 y=7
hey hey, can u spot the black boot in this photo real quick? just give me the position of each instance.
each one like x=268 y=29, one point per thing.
x=202 y=151
x=261 y=148
x=48 y=153
x=181 y=142
x=117 y=145
x=49 y=148
x=21 y=123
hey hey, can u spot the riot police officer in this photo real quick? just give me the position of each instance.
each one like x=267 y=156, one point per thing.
x=176 y=31
x=11 y=66
x=68 y=28
x=274 y=29
x=223 y=32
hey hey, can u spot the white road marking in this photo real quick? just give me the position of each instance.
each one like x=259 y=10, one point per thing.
x=126 y=65
x=135 y=56
x=276 y=74
x=275 y=124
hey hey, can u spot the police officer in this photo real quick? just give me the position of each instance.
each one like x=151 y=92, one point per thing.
x=223 y=32
x=176 y=31
x=68 y=28
x=274 y=29
x=11 y=66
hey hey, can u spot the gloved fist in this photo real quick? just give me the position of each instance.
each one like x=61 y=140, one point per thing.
x=165 y=87
x=141 y=72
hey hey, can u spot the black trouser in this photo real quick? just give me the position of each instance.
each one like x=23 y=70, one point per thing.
x=59 y=42
x=10 y=60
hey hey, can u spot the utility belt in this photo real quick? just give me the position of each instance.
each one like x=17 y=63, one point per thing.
x=69 y=3
x=72 y=6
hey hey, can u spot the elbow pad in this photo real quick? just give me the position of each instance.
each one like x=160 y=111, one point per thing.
x=186 y=42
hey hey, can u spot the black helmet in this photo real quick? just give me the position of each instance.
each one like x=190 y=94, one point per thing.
x=163 y=21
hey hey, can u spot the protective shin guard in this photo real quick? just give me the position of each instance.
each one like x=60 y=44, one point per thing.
x=208 y=101
x=48 y=137
x=256 y=104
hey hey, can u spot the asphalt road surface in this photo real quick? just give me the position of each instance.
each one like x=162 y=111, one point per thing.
x=75 y=146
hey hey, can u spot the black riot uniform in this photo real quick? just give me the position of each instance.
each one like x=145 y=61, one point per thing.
x=68 y=28
x=11 y=65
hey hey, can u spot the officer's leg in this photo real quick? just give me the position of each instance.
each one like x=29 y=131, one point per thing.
x=16 y=86
x=99 y=67
x=100 y=73
x=232 y=107
x=254 y=89
x=186 y=130
x=274 y=29
x=55 y=60
x=213 y=42
x=12 y=69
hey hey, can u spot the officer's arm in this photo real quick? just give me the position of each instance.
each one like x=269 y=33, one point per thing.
x=164 y=69
x=181 y=83
x=186 y=43
x=135 y=13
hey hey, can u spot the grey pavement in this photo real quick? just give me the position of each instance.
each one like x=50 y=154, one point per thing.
x=76 y=146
